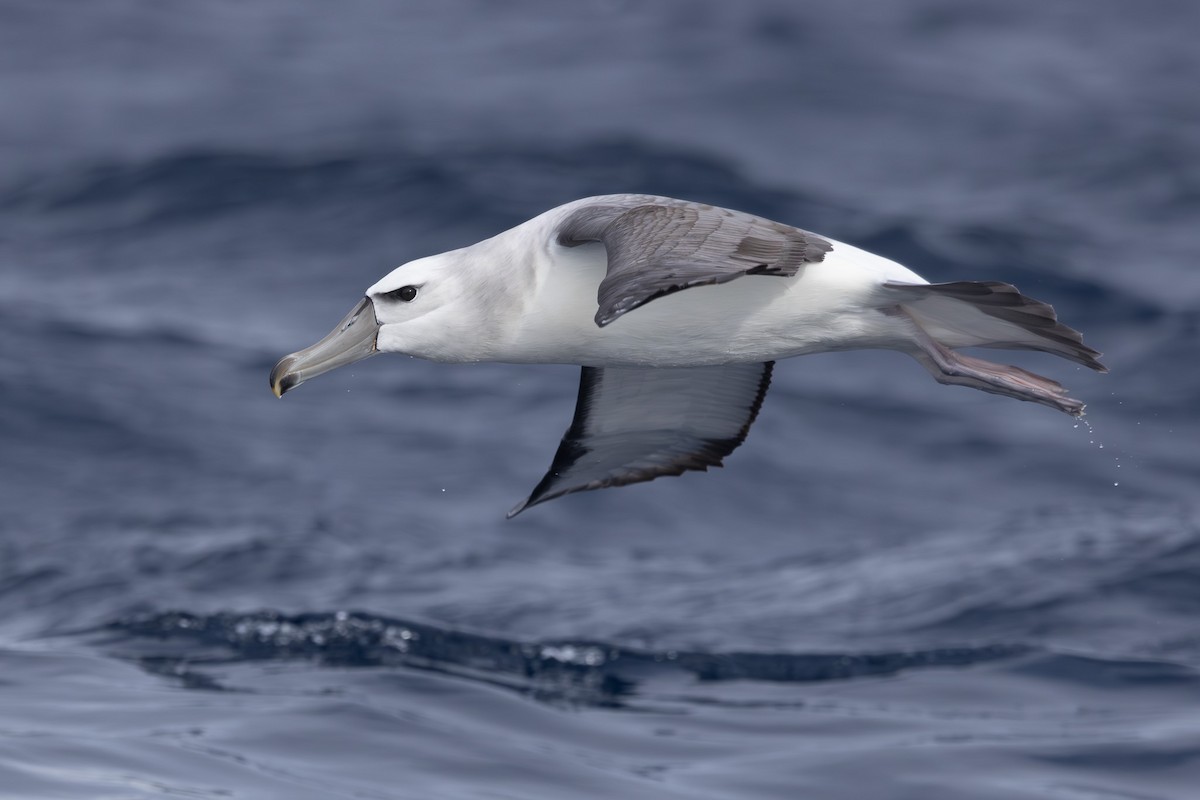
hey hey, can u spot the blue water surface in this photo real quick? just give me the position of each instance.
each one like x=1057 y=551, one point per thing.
x=894 y=590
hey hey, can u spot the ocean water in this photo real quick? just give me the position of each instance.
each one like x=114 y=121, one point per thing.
x=894 y=590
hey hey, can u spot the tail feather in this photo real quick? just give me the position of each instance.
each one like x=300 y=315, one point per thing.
x=991 y=314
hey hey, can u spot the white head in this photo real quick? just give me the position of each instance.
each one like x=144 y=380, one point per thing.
x=443 y=308
x=427 y=308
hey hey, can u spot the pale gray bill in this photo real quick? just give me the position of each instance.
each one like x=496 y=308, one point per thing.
x=352 y=340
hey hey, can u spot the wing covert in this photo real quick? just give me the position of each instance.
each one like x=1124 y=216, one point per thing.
x=657 y=246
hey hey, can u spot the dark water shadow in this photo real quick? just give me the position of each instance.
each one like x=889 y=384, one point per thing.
x=181 y=645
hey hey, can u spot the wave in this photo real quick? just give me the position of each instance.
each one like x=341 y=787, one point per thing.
x=197 y=185
x=581 y=671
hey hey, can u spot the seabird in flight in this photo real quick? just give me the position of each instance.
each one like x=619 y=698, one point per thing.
x=676 y=312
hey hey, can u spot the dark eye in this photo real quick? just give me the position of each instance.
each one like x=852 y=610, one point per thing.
x=405 y=293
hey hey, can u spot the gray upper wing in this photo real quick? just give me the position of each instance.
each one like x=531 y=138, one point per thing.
x=635 y=424
x=657 y=246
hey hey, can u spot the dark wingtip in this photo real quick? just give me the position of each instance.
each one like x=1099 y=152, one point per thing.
x=1071 y=407
x=521 y=506
x=606 y=316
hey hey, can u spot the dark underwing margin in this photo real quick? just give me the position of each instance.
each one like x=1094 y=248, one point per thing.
x=657 y=246
x=635 y=424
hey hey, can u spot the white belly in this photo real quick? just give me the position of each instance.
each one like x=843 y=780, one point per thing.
x=827 y=306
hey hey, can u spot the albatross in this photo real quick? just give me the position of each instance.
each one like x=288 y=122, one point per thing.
x=676 y=311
